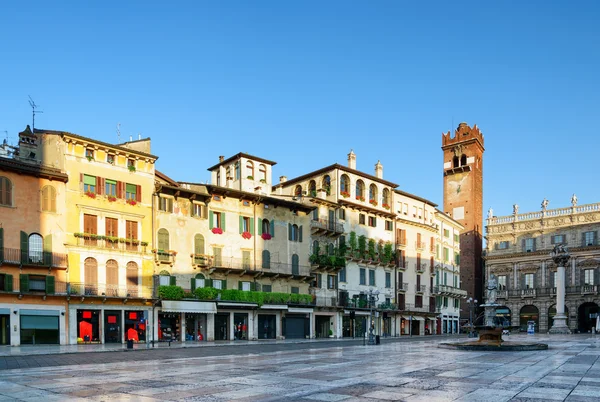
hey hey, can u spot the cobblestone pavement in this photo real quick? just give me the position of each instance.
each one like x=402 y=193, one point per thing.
x=415 y=370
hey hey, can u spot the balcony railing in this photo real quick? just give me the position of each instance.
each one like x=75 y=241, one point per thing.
x=327 y=225
x=423 y=308
x=403 y=287
x=502 y=294
x=323 y=301
x=106 y=290
x=420 y=245
x=104 y=242
x=420 y=288
x=451 y=291
x=32 y=258
x=420 y=267
x=589 y=289
x=166 y=257
x=528 y=292
x=402 y=241
x=265 y=266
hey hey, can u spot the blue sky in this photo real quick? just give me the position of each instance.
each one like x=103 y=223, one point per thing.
x=302 y=83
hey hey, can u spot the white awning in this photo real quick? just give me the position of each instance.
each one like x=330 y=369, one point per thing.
x=228 y=304
x=418 y=318
x=300 y=310
x=274 y=307
x=171 y=306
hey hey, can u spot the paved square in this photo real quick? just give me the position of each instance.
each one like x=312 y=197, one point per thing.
x=414 y=370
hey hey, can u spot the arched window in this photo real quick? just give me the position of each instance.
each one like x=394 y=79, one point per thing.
x=228 y=173
x=250 y=169
x=455 y=162
x=295 y=233
x=345 y=185
x=90 y=276
x=262 y=170
x=199 y=244
x=200 y=281
x=373 y=194
x=315 y=247
x=112 y=278
x=48 y=199
x=327 y=184
x=298 y=191
x=35 y=247
x=312 y=188
x=295 y=264
x=165 y=279
x=266 y=227
x=385 y=198
x=132 y=276
x=5 y=192
x=330 y=249
x=237 y=170
x=163 y=240
x=360 y=190
x=266 y=259
x=463 y=160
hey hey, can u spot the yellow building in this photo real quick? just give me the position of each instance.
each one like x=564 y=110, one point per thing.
x=108 y=236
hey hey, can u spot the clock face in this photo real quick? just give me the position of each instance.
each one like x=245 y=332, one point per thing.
x=457 y=184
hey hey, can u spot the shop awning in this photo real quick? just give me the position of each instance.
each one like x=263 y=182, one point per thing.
x=361 y=313
x=418 y=318
x=274 y=307
x=171 y=306
x=300 y=310
x=238 y=305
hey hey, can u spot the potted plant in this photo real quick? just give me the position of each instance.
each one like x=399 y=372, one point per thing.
x=246 y=235
x=266 y=236
x=331 y=333
x=90 y=194
x=373 y=202
x=131 y=168
x=360 y=198
x=345 y=194
x=111 y=198
x=89 y=158
x=131 y=202
x=217 y=231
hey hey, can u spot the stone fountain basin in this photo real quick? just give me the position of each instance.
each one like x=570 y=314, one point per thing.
x=490 y=339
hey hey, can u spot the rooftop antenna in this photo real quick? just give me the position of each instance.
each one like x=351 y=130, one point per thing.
x=33 y=107
x=119 y=133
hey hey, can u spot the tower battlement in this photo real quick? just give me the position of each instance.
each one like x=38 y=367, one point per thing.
x=462 y=133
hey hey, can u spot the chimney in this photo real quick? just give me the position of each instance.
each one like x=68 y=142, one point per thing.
x=282 y=179
x=352 y=160
x=379 y=170
x=221 y=158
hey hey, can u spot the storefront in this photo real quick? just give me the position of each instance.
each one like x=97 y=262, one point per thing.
x=135 y=326
x=296 y=325
x=169 y=327
x=4 y=326
x=221 y=326
x=267 y=326
x=240 y=322
x=39 y=327
x=88 y=326
x=186 y=320
x=112 y=326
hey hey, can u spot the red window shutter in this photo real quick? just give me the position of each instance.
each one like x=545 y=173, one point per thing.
x=98 y=185
x=81 y=177
x=138 y=193
x=119 y=194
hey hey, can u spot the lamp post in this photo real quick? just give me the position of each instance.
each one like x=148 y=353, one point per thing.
x=472 y=304
x=373 y=297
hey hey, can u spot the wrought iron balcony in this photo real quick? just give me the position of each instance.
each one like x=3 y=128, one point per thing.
x=403 y=287
x=106 y=290
x=32 y=258
x=265 y=267
x=420 y=267
x=110 y=243
x=450 y=291
x=420 y=288
x=325 y=225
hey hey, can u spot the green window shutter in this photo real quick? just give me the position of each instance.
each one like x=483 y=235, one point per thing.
x=48 y=250
x=131 y=188
x=8 y=282
x=224 y=284
x=49 y=284
x=193 y=284
x=223 y=221
x=272 y=228
x=208 y=283
x=1 y=245
x=172 y=280
x=300 y=234
x=252 y=226
x=252 y=287
x=241 y=224
x=210 y=219
x=239 y=285
x=89 y=180
x=24 y=283
x=259 y=227
x=24 y=246
x=289 y=231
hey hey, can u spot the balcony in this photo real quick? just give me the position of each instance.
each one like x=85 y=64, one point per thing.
x=322 y=301
x=451 y=291
x=420 y=288
x=325 y=226
x=502 y=294
x=403 y=287
x=110 y=243
x=420 y=245
x=164 y=257
x=32 y=258
x=201 y=260
x=109 y=291
x=589 y=289
x=261 y=268
x=420 y=267
x=527 y=293
x=401 y=241
x=425 y=308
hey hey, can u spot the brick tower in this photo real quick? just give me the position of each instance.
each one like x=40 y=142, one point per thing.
x=463 y=201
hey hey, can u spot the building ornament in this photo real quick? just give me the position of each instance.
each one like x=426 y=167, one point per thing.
x=588 y=262
x=574 y=200
x=515 y=209
x=560 y=255
x=545 y=203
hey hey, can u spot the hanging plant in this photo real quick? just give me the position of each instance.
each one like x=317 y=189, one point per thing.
x=360 y=198
x=110 y=198
x=373 y=202
x=246 y=235
x=132 y=202
x=386 y=206
x=90 y=194
x=345 y=194
x=217 y=230
x=266 y=236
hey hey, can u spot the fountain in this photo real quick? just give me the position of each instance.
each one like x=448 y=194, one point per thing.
x=490 y=334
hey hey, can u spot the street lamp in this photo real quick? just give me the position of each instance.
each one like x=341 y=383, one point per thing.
x=472 y=304
x=373 y=297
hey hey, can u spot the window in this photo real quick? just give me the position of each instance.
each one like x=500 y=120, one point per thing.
x=165 y=204
x=217 y=284
x=437 y=251
x=385 y=199
x=295 y=264
x=361 y=219
x=246 y=260
x=132 y=276
x=312 y=188
x=558 y=239
x=363 y=276
x=445 y=302
x=373 y=194
x=446 y=233
x=218 y=178
x=371 y=277
x=446 y=254
x=389 y=225
x=502 y=282
x=110 y=158
x=130 y=192
x=360 y=190
x=295 y=232
x=245 y=286
x=503 y=245
x=35 y=247
x=164 y=279
x=199 y=210
x=218 y=256
x=48 y=199
x=528 y=281
x=553 y=277
x=267 y=288
x=456 y=303
x=315 y=215
x=217 y=220
x=456 y=258
x=250 y=170
x=343 y=274
x=267 y=226
x=420 y=212
x=236 y=168
x=89 y=183
x=199 y=244
x=163 y=239
x=456 y=238
x=37 y=283
x=589 y=239
x=5 y=192
x=405 y=210
x=388 y=279
x=342 y=214
x=414 y=212
x=112 y=277
x=131 y=163
x=327 y=184
x=419 y=301
x=529 y=245
x=89 y=154
x=262 y=170
x=245 y=221
x=266 y=259
x=588 y=277
x=372 y=221
x=345 y=186
x=298 y=191
x=295 y=290
x=111 y=226
x=330 y=281
x=110 y=188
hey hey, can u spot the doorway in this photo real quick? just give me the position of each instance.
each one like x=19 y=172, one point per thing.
x=221 y=326
x=5 y=329
x=195 y=327
x=322 y=326
x=587 y=316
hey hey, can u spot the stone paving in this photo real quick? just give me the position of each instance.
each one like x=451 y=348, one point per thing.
x=407 y=371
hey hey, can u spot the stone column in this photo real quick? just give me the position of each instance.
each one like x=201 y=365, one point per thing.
x=561 y=258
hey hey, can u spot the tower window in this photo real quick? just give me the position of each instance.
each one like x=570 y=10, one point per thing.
x=463 y=160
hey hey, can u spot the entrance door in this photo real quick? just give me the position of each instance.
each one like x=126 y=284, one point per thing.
x=587 y=316
x=416 y=327
x=322 y=326
x=112 y=326
x=295 y=327
x=39 y=330
x=266 y=326
x=221 y=327
x=4 y=329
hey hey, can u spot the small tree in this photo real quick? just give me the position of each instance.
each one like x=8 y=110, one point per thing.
x=352 y=241
x=388 y=253
x=362 y=245
x=380 y=250
x=372 y=249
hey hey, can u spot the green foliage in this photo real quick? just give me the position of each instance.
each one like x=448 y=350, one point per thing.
x=170 y=292
x=352 y=241
x=362 y=244
x=388 y=253
x=380 y=249
x=189 y=295
x=372 y=249
x=313 y=259
x=206 y=293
